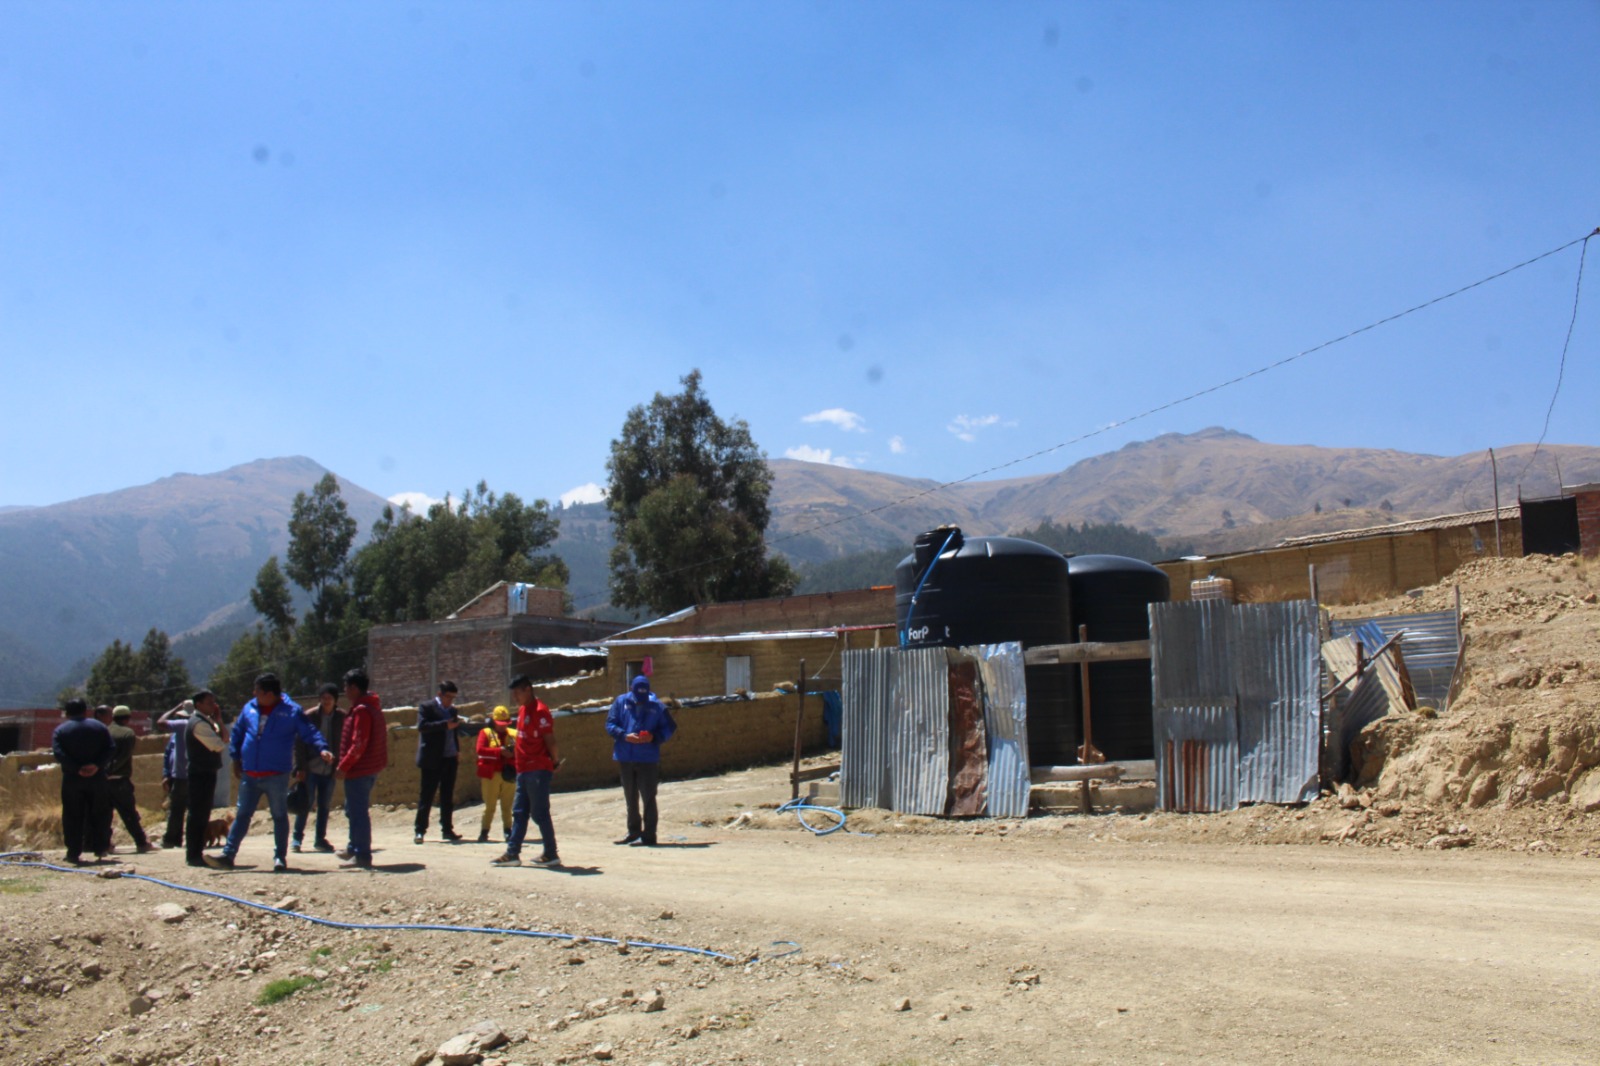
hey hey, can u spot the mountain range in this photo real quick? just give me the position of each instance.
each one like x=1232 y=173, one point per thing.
x=181 y=553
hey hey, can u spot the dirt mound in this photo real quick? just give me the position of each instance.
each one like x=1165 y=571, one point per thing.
x=1515 y=758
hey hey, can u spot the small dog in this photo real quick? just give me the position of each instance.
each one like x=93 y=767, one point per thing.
x=217 y=830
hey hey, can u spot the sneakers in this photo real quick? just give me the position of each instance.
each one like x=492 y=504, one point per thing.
x=280 y=866
x=357 y=862
x=322 y=845
x=417 y=839
x=507 y=859
x=483 y=837
x=344 y=853
x=220 y=862
x=643 y=842
x=295 y=847
x=453 y=837
x=146 y=848
x=629 y=839
x=547 y=860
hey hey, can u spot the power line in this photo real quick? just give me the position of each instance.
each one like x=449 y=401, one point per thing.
x=1561 y=370
x=1169 y=405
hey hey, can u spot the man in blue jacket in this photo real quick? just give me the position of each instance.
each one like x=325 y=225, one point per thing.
x=262 y=749
x=639 y=725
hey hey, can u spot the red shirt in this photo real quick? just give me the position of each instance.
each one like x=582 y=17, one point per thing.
x=364 y=746
x=533 y=725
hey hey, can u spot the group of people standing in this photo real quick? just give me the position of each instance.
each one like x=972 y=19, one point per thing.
x=291 y=757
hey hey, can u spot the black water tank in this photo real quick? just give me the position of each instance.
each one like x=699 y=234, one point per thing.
x=1111 y=596
x=986 y=590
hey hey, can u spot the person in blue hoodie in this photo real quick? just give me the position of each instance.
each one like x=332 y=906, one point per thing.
x=262 y=749
x=639 y=724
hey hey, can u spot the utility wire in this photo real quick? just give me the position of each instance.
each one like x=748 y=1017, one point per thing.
x=1169 y=405
x=1561 y=370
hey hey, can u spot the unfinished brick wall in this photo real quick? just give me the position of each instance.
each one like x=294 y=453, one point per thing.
x=1587 y=498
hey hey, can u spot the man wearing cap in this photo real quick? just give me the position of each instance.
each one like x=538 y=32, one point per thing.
x=537 y=760
x=438 y=756
x=638 y=725
x=119 y=781
x=261 y=746
x=83 y=748
x=497 y=770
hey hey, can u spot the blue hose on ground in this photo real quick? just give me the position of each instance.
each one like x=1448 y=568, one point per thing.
x=799 y=807
x=29 y=858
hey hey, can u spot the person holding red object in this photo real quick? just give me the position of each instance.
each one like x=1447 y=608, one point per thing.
x=638 y=725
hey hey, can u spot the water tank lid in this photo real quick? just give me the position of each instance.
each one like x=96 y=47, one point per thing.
x=1108 y=564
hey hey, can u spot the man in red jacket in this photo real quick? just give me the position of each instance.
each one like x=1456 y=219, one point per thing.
x=363 y=753
x=537 y=760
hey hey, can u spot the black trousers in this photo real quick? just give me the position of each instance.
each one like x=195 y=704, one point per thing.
x=85 y=803
x=123 y=804
x=177 y=806
x=202 y=787
x=440 y=777
x=639 y=781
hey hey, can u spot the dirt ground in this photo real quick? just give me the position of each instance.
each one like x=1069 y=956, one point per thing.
x=1422 y=917
x=1051 y=940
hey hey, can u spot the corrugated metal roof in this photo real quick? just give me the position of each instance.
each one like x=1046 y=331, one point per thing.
x=562 y=652
x=786 y=634
x=1430 y=642
x=1417 y=525
x=1259 y=667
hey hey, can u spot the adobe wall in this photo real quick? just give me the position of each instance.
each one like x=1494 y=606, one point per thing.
x=1352 y=570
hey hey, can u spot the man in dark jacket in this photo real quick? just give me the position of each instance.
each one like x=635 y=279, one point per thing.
x=638 y=725
x=83 y=748
x=315 y=771
x=438 y=756
x=119 y=782
x=261 y=746
x=204 y=744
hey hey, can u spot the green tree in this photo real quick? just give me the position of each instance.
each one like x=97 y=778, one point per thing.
x=272 y=599
x=148 y=678
x=257 y=651
x=688 y=500
x=425 y=567
x=321 y=532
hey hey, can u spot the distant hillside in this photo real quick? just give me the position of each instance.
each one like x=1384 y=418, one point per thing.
x=74 y=576
x=1181 y=487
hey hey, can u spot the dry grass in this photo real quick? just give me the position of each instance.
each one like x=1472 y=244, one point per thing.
x=30 y=828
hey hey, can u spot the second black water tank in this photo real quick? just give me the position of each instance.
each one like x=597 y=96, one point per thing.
x=1111 y=596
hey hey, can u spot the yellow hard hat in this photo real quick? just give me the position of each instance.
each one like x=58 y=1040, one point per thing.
x=501 y=714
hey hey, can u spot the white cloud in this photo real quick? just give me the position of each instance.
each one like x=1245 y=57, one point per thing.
x=589 y=493
x=897 y=445
x=848 y=421
x=419 y=502
x=966 y=427
x=807 y=454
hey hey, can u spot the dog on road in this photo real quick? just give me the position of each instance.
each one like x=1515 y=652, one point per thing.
x=217 y=830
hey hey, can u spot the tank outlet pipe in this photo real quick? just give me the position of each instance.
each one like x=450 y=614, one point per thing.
x=911 y=608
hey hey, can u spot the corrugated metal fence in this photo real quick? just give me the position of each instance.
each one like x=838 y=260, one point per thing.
x=898 y=749
x=1237 y=707
x=1430 y=643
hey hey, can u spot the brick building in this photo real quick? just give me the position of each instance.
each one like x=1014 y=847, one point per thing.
x=505 y=630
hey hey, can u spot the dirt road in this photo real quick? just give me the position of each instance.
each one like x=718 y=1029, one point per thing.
x=1041 y=943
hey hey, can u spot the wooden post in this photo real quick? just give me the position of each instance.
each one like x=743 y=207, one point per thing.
x=1495 y=467
x=1086 y=750
x=799 y=717
x=1311 y=579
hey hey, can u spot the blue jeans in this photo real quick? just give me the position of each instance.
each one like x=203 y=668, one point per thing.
x=533 y=799
x=358 y=811
x=276 y=788
x=319 y=791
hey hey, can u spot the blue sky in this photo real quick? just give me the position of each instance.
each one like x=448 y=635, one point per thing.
x=434 y=243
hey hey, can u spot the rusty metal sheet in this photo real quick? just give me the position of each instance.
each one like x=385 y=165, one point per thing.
x=969 y=748
x=1197 y=757
x=1005 y=718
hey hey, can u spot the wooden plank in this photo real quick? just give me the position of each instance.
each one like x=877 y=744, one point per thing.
x=1087 y=652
